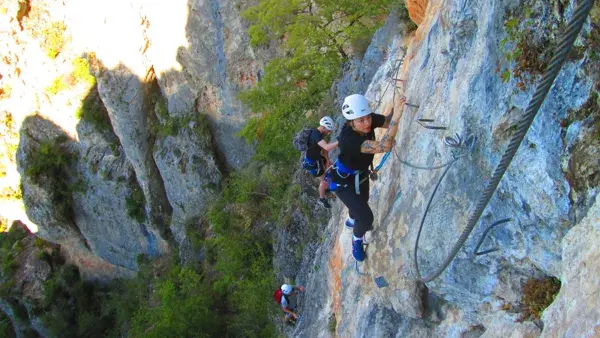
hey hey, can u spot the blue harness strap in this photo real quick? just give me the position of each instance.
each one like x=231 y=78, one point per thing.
x=343 y=172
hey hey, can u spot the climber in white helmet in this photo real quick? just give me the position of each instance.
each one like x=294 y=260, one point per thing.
x=316 y=161
x=289 y=291
x=357 y=148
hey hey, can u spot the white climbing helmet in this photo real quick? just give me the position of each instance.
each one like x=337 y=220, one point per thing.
x=286 y=289
x=327 y=122
x=355 y=106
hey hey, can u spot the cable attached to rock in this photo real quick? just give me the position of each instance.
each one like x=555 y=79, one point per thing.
x=565 y=44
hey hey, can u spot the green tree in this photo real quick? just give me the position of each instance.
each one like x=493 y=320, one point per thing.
x=316 y=38
x=181 y=305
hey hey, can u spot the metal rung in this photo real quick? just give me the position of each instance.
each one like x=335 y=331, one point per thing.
x=480 y=253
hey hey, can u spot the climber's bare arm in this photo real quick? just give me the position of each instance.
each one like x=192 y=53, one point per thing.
x=389 y=113
x=328 y=146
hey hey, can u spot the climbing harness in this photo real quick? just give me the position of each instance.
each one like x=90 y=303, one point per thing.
x=565 y=44
x=315 y=168
x=476 y=252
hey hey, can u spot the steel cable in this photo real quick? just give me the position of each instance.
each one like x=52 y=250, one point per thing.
x=542 y=90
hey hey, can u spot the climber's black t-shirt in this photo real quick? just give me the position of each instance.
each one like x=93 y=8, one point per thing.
x=351 y=141
x=314 y=149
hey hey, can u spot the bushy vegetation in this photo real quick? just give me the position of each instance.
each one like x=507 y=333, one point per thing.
x=10 y=140
x=72 y=307
x=316 y=41
x=54 y=38
x=58 y=85
x=135 y=203
x=526 y=56
x=538 y=294
x=533 y=31
x=10 y=247
x=50 y=164
x=79 y=74
x=92 y=110
x=6 y=329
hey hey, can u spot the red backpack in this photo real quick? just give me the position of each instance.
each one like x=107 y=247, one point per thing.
x=277 y=295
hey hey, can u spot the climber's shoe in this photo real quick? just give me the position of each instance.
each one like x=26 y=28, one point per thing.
x=358 y=252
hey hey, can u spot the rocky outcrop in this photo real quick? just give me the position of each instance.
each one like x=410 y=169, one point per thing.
x=149 y=171
x=43 y=158
x=452 y=77
x=216 y=64
x=23 y=281
x=574 y=312
x=126 y=98
x=416 y=10
x=109 y=209
x=82 y=205
x=188 y=166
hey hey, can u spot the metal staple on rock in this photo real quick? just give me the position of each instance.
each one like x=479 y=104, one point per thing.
x=565 y=44
x=476 y=252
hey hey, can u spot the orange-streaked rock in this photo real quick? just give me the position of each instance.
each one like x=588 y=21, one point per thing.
x=416 y=10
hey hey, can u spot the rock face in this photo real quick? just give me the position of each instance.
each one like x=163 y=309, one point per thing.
x=217 y=63
x=416 y=10
x=574 y=312
x=452 y=67
x=167 y=77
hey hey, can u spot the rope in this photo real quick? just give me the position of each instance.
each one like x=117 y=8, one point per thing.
x=542 y=90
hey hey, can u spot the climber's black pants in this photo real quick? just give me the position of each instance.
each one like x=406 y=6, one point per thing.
x=358 y=206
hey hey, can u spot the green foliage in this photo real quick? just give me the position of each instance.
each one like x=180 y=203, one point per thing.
x=593 y=39
x=50 y=159
x=196 y=236
x=81 y=71
x=135 y=203
x=92 y=110
x=74 y=307
x=54 y=39
x=6 y=329
x=11 y=194
x=57 y=86
x=332 y=323
x=49 y=164
x=316 y=40
x=529 y=43
x=10 y=247
x=168 y=125
x=182 y=306
x=538 y=294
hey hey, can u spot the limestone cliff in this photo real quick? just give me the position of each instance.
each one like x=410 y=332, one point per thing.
x=454 y=71
x=138 y=150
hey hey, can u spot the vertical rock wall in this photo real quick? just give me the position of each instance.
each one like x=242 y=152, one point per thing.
x=453 y=70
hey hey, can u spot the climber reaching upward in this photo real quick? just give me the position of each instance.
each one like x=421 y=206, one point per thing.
x=283 y=297
x=357 y=148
